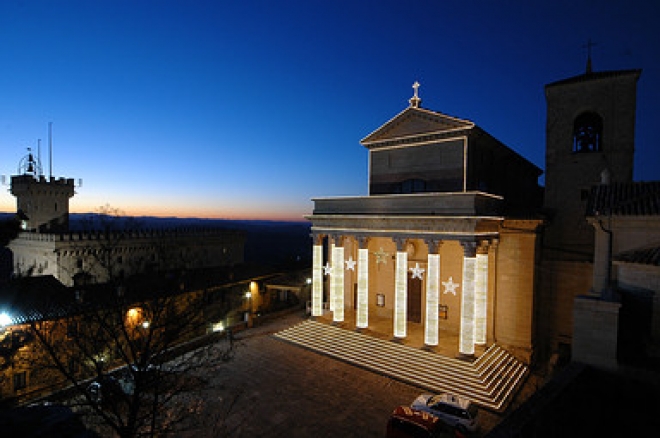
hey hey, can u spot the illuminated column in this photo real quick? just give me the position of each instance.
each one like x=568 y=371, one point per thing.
x=432 y=294
x=331 y=252
x=481 y=297
x=362 y=316
x=400 y=290
x=337 y=282
x=317 y=276
x=466 y=336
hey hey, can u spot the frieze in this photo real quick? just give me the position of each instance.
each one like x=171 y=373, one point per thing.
x=431 y=228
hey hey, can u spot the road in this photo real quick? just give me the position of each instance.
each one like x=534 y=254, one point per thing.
x=281 y=390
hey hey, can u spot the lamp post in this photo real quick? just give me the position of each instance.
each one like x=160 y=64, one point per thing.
x=248 y=315
x=5 y=319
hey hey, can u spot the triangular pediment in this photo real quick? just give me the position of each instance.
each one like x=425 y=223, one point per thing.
x=413 y=122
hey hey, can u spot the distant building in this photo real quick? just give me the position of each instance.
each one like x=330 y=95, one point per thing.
x=49 y=247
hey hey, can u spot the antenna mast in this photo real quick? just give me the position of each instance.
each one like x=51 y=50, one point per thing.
x=50 y=150
x=38 y=157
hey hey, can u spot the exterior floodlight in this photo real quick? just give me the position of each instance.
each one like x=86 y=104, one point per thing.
x=145 y=324
x=5 y=319
x=248 y=294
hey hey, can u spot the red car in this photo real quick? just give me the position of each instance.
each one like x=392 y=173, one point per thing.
x=406 y=422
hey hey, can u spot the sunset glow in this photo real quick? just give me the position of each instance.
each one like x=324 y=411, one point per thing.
x=248 y=110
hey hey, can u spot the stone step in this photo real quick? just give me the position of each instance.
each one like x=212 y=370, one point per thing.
x=489 y=381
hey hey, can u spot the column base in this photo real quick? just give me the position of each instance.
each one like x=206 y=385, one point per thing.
x=466 y=357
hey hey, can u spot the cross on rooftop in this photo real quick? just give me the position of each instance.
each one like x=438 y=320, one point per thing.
x=415 y=100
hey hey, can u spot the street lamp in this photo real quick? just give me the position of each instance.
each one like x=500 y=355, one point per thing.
x=248 y=313
x=5 y=320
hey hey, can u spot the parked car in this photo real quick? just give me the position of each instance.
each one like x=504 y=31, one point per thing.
x=104 y=389
x=458 y=412
x=406 y=422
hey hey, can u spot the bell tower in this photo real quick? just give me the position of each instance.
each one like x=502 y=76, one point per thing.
x=590 y=139
x=42 y=204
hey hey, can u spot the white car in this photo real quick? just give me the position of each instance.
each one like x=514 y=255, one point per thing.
x=456 y=411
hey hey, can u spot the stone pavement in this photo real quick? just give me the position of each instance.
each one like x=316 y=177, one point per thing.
x=281 y=390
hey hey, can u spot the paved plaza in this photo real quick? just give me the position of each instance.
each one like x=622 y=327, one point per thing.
x=283 y=390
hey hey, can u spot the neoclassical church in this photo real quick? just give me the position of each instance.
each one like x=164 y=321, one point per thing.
x=47 y=246
x=456 y=237
x=447 y=238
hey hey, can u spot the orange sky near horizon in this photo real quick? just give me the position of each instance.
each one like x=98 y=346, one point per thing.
x=217 y=211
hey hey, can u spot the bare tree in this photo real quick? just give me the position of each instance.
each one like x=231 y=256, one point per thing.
x=130 y=359
x=130 y=348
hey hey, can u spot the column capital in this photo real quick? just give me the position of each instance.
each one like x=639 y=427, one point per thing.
x=433 y=245
x=483 y=246
x=469 y=248
x=337 y=239
x=317 y=238
x=400 y=243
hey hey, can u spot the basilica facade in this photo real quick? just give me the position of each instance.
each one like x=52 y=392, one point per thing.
x=446 y=241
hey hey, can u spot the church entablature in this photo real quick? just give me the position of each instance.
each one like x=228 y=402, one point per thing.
x=420 y=228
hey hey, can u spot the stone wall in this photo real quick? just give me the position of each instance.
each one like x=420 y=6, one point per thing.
x=596 y=329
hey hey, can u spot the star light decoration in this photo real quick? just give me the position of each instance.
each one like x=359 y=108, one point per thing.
x=450 y=286
x=327 y=269
x=381 y=256
x=417 y=272
x=350 y=264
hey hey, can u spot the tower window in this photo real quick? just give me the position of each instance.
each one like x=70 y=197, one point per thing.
x=588 y=133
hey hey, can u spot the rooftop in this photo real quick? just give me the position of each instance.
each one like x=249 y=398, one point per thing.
x=625 y=199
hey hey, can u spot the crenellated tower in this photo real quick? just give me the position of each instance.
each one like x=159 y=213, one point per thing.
x=42 y=203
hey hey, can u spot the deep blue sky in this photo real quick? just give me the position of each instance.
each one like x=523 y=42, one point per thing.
x=249 y=109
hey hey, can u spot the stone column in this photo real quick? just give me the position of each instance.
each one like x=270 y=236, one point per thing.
x=481 y=294
x=400 y=290
x=492 y=291
x=466 y=336
x=317 y=275
x=432 y=293
x=331 y=252
x=337 y=280
x=362 y=311
x=602 y=265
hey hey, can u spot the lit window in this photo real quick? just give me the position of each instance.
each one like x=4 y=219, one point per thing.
x=20 y=380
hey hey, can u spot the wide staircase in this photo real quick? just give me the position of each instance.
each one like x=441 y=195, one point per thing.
x=490 y=380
